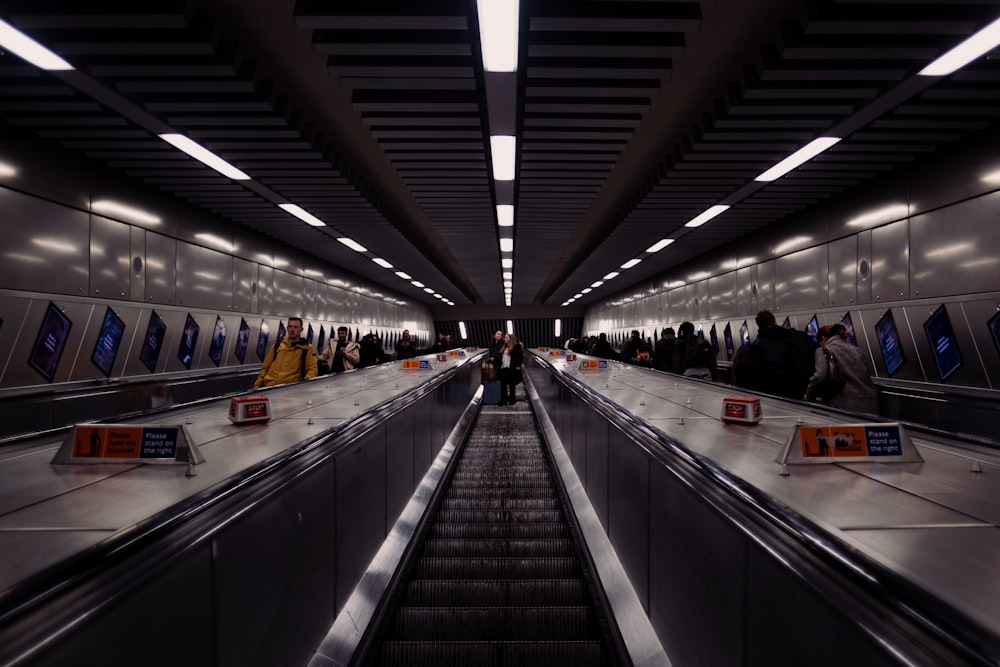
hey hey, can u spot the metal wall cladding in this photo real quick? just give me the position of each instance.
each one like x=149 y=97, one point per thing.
x=288 y=291
x=955 y=250
x=764 y=285
x=161 y=268
x=110 y=261
x=722 y=292
x=746 y=299
x=204 y=277
x=800 y=279
x=137 y=264
x=45 y=246
x=265 y=288
x=243 y=278
x=890 y=262
x=843 y=276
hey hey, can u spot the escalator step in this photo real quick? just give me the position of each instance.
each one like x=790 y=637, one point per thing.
x=505 y=548
x=503 y=592
x=493 y=623
x=501 y=504
x=497 y=568
x=479 y=491
x=489 y=531
x=486 y=516
x=492 y=654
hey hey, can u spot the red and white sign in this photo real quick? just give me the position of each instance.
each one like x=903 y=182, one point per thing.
x=249 y=410
x=741 y=410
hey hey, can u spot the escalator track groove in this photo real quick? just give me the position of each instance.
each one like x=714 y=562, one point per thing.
x=497 y=579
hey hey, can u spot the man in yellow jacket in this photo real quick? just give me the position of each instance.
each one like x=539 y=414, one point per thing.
x=291 y=359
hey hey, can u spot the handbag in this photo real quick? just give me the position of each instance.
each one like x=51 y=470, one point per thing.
x=489 y=372
x=834 y=381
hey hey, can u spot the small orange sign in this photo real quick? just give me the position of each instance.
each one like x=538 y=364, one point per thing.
x=833 y=441
x=89 y=442
x=123 y=442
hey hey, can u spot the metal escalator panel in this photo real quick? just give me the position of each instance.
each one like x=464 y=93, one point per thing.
x=497 y=579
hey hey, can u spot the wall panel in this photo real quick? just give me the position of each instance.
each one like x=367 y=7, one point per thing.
x=843 y=276
x=110 y=245
x=800 y=280
x=890 y=262
x=204 y=277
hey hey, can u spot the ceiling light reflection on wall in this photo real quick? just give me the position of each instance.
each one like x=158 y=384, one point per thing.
x=352 y=244
x=203 y=155
x=503 y=148
x=707 y=215
x=982 y=42
x=879 y=216
x=498 y=30
x=17 y=42
x=7 y=170
x=804 y=154
x=123 y=212
x=302 y=215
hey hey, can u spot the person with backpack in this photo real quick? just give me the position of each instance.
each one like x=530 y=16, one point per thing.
x=291 y=359
x=694 y=356
x=842 y=377
x=779 y=362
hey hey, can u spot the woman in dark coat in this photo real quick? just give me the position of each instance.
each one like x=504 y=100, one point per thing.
x=858 y=394
x=511 y=362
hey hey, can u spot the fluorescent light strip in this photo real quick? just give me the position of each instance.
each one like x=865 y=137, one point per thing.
x=381 y=262
x=505 y=215
x=706 y=215
x=203 y=155
x=498 y=28
x=302 y=215
x=352 y=244
x=404 y=275
x=659 y=245
x=632 y=262
x=507 y=263
x=503 y=148
x=429 y=290
x=417 y=283
x=613 y=274
x=982 y=42
x=804 y=154
x=506 y=244
x=17 y=42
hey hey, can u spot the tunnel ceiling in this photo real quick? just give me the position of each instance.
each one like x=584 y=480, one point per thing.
x=631 y=119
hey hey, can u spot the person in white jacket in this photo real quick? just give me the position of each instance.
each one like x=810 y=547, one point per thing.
x=341 y=355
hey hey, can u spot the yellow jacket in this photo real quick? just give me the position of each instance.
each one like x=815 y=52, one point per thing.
x=290 y=363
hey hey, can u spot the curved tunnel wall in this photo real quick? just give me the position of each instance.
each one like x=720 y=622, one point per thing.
x=166 y=257
x=916 y=241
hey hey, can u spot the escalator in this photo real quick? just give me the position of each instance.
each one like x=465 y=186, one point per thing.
x=497 y=578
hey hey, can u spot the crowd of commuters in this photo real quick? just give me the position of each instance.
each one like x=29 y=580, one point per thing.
x=781 y=361
x=292 y=358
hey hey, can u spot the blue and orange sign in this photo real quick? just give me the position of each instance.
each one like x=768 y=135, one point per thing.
x=851 y=440
x=124 y=442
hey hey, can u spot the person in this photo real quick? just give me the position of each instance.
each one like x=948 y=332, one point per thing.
x=442 y=344
x=663 y=353
x=858 y=393
x=496 y=347
x=405 y=348
x=511 y=362
x=291 y=359
x=779 y=362
x=635 y=350
x=342 y=355
x=694 y=356
x=602 y=348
